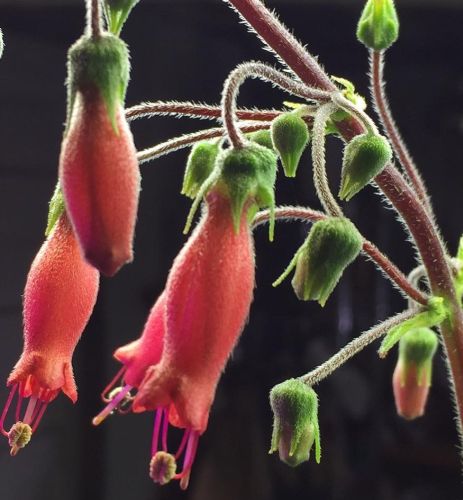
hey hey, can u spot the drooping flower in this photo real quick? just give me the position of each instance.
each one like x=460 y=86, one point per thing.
x=98 y=168
x=59 y=297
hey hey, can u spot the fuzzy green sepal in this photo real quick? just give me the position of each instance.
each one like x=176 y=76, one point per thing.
x=199 y=167
x=102 y=64
x=378 y=27
x=262 y=137
x=365 y=156
x=290 y=137
x=55 y=209
x=117 y=12
x=295 y=422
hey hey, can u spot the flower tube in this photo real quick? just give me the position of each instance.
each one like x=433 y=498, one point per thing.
x=59 y=297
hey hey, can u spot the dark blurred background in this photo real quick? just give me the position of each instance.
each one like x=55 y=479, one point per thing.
x=184 y=50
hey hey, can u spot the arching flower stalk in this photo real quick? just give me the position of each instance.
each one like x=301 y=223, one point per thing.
x=59 y=297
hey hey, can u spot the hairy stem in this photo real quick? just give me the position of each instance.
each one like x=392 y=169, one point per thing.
x=354 y=347
x=388 y=268
x=94 y=18
x=320 y=178
x=266 y=73
x=187 y=140
x=383 y=110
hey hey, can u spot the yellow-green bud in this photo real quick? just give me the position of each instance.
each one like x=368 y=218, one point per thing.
x=332 y=244
x=248 y=174
x=365 y=156
x=290 y=137
x=295 y=422
x=199 y=166
x=262 y=137
x=378 y=27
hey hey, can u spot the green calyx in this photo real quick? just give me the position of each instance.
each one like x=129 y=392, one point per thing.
x=117 y=12
x=295 y=422
x=55 y=209
x=199 y=167
x=290 y=137
x=248 y=175
x=101 y=64
x=435 y=313
x=262 y=137
x=365 y=156
x=332 y=244
x=416 y=350
x=378 y=27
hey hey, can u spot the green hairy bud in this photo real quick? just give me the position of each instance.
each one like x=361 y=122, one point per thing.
x=378 y=27
x=290 y=137
x=249 y=174
x=262 y=137
x=332 y=244
x=117 y=12
x=101 y=64
x=365 y=156
x=199 y=167
x=295 y=422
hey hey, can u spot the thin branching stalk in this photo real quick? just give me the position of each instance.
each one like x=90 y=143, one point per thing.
x=352 y=109
x=383 y=110
x=354 y=347
x=187 y=140
x=194 y=110
x=382 y=262
x=266 y=73
x=94 y=27
x=320 y=178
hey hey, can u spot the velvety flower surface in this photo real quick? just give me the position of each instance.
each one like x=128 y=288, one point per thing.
x=59 y=297
x=100 y=179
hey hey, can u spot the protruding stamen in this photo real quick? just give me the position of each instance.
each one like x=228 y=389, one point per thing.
x=190 y=454
x=112 y=405
x=19 y=436
x=157 y=426
x=30 y=410
x=183 y=443
x=162 y=467
x=6 y=408
x=107 y=394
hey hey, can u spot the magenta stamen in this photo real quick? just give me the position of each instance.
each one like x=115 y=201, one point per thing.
x=157 y=426
x=18 y=406
x=30 y=410
x=6 y=408
x=190 y=451
x=165 y=429
x=111 y=384
x=112 y=405
x=183 y=443
x=39 y=416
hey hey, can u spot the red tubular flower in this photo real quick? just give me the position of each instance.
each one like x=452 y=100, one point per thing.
x=100 y=179
x=59 y=297
x=208 y=296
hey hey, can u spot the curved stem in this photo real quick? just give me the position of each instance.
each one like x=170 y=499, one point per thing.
x=264 y=72
x=187 y=140
x=193 y=110
x=351 y=108
x=388 y=268
x=354 y=347
x=94 y=18
x=387 y=120
x=318 y=161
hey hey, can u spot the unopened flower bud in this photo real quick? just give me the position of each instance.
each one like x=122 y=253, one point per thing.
x=248 y=176
x=413 y=372
x=378 y=27
x=290 y=136
x=364 y=158
x=199 y=166
x=162 y=467
x=262 y=137
x=117 y=12
x=331 y=246
x=295 y=423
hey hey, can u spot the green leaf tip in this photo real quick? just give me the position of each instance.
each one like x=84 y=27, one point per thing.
x=365 y=156
x=290 y=136
x=378 y=27
x=100 y=64
x=117 y=12
x=332 y=244
x=55 y=209
x=295 y=422
x=436 y=312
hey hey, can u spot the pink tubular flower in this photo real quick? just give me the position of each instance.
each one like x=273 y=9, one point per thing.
x=208 y=296
x=410 y=391
x=59 y=297
x=100 y=179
